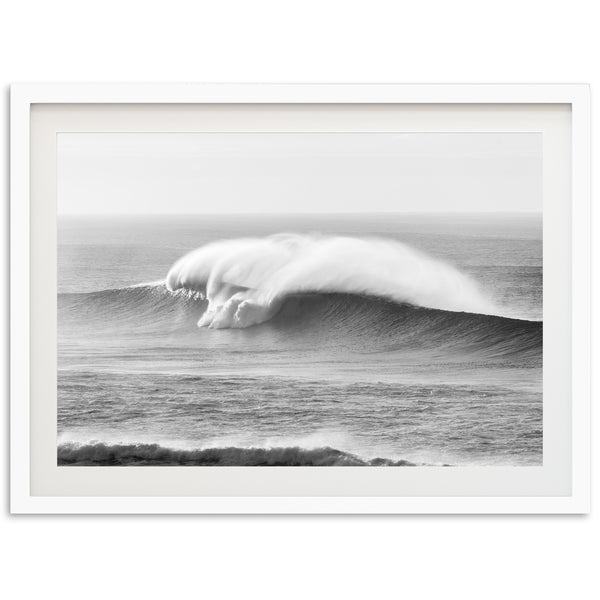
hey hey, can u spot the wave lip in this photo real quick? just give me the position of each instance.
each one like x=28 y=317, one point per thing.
x=101 y=454
x=245 y=280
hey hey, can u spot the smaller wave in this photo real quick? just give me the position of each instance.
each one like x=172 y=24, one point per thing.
x=100 y=454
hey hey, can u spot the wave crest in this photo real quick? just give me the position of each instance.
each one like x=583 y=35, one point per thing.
x=246 y=280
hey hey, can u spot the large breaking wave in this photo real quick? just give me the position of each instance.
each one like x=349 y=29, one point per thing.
x=319 y=320
x=246 y=280
x=346 y=293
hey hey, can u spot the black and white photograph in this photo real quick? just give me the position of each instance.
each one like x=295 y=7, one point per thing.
x=300 y=299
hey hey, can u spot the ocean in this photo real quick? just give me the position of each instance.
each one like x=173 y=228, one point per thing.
x=300 y=340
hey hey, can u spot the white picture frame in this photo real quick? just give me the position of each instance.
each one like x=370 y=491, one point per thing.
x=25 y=424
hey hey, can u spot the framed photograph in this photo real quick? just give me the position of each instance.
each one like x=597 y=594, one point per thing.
x=300 y=298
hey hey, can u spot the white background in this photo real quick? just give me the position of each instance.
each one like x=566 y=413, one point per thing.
x=298 y=557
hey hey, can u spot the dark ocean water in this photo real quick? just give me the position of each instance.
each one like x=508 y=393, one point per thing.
x=317 y=363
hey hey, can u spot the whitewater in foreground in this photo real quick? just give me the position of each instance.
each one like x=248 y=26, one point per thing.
x=378 y=341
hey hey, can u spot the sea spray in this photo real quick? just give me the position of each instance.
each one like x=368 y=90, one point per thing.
x=245 y=280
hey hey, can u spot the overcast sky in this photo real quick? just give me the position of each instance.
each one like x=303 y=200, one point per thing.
x=153 y=173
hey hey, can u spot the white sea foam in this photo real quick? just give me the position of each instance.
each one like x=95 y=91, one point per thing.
x=245 y=280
